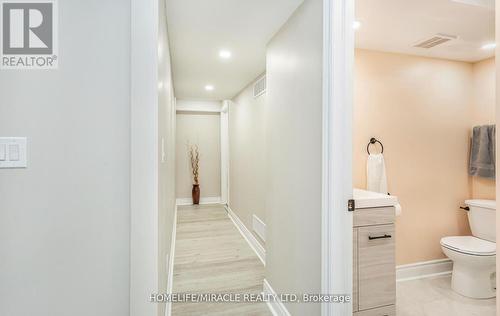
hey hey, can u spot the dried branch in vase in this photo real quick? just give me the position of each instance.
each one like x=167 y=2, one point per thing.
x=195 y=161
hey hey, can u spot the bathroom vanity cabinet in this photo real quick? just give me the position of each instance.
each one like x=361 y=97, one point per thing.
x=374 y=259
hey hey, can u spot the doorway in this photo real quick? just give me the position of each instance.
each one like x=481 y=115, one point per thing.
x=424 y=85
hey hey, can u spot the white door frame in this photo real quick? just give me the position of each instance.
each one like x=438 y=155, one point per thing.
x=224 y=152
x=338 y=56
x=144 y=157
x=497 y=101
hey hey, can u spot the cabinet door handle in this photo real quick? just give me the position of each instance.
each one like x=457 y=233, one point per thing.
x=379 y=237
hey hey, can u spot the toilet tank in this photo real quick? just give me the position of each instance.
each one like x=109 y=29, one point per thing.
x=482 y=219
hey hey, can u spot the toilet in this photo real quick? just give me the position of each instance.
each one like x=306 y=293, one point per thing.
x=474 y=256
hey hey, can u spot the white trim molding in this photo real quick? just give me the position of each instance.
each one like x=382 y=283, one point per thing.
x=259 y=227
x=424 y=269
x=170 y=277
x=276 y=306
x=247 y=234
x=203 y=200
x=336 y=236
x=194 y=106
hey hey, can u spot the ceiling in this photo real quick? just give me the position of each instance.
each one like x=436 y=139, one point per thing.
x=396 y=25
x=198 y=30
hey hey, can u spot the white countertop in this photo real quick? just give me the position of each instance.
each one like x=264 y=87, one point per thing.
x=367 y=199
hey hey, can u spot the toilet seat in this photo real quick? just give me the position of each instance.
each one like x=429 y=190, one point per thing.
x=469 y=245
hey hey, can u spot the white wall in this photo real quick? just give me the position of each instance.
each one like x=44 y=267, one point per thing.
x=294 y=151
x=65 y=220
x=247 y=156
x=202 y=129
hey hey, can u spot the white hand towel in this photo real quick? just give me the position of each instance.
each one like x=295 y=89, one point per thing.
x=375 y=174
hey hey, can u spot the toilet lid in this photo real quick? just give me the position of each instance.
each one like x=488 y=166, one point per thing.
x=470 y=245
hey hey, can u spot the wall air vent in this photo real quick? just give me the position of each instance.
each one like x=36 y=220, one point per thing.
x=259 y=87
x=435 y=40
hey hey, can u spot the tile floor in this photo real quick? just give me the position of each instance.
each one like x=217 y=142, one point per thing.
x=434 y=297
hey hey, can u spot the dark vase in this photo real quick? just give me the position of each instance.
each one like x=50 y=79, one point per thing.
x=196 y=194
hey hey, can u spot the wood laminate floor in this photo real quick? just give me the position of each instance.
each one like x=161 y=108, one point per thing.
x=211 y=256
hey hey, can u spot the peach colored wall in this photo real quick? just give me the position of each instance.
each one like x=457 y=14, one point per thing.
x=423 y=110
x=483 y=100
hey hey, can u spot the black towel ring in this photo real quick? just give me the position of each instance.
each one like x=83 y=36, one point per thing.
x=373 y=141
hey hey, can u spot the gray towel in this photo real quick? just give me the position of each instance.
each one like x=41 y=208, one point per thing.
x=482 y=154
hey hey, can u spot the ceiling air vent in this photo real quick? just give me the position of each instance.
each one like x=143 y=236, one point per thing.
x=259 y=87
x=489 y=4
x=435 y=40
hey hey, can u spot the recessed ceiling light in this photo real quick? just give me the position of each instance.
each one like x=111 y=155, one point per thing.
x=489 y=46
x=209 y=87
x=356 y=25
x=226 y=54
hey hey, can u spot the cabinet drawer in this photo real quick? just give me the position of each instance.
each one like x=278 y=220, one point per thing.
x=381 y=311
x=376 y=266
x=374 y=216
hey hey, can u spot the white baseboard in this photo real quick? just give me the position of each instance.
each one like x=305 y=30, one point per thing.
x=247 y=234
x=276 y=306
x=170 y=277
x=203 y=200
x=425 y=269
x=259 y=227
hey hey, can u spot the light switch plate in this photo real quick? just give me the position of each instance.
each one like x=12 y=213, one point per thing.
x=3 y=152
x=15 y=152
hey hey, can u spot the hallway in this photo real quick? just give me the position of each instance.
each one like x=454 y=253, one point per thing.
x=212 y=257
